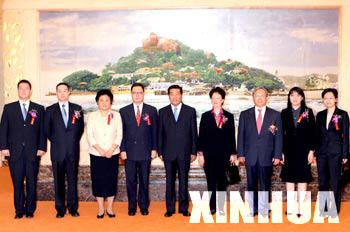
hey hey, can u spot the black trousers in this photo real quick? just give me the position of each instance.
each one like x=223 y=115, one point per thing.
x=22 y=170
x=137 y=172
x=61 y=170
x=258 y=179
x=216 y=180
x=182 y=168
x=329 y=176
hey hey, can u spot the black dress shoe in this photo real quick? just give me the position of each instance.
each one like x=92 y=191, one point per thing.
x=212 y=211
x=111 y=215
x=186 y=214
x=131 y=213
x=100 y=216
x=59 y=215
x=19 y=215
x=168 y=214
x=144 y=212
x=75 y=214
x=29 y=215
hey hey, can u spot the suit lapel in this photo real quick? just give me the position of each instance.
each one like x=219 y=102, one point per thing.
x=253 y=119
x=266 y=119
x=30 y=108
x=331 y=124
x=58 y=115
x=180 y=113
x=18 y=111
x=70 y=113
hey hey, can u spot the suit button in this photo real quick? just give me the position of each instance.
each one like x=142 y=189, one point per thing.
x=23 y=144
x=24 y=125
x=135 y=142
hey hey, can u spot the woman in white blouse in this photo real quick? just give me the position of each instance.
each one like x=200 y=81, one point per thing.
x=104 y=134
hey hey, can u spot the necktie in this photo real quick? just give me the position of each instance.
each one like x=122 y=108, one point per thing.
x=176 y=114
x=138 y=116
x=64 y=115
x=259 y=121
x=24 y=111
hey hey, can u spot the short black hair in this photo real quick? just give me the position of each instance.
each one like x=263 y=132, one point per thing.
x=175 y=87
x=24 y=82
x=138 y=85
x=330 y=90
x=218 y=90
x=63 y=83
x=104 y=92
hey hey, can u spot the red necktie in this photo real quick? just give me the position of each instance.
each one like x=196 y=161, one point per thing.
x=259 y=121
x=138 y=116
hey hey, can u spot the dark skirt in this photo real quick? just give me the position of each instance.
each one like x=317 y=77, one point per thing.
x=104 y=175
x=296 y=168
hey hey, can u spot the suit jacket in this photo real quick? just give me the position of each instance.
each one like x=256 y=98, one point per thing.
x=261 y=147
x=139 y=141
x=332 y=141
x=177 y=140
x=215 y=142
x=65 y=142
x=300 y=138
x=17 y=134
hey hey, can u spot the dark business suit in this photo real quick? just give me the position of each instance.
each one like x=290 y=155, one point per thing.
x=177 y=140
x=65 y=150
x=259 y=150
x=138 y=143
x=332 y=146
x=23 y=139
x=217 y=145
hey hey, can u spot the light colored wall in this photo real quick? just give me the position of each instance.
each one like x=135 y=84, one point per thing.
x=21 y=18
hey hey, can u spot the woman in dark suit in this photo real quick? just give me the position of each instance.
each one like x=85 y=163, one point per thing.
x=332 y=148
x=298 y=123
x=216 y=145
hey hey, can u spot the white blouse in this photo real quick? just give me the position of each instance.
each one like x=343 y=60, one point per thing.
x=104 y=134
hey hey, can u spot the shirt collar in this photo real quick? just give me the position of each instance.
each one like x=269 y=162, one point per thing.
x=263 y=109
x=178 y=107
x=65 y=103
x=140 y=105
x=24 y=102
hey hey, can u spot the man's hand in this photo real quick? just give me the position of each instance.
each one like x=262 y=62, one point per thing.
x=40 y=153
x=345 y=160
x=193 y=158
x=201 y=160
x=241 y=160
x=154 y=154
x=282 y=161
x=5 y=153
x=161 y=158
x=276 y=161
x=310 y=157
x=123 y=155
x=233 y=159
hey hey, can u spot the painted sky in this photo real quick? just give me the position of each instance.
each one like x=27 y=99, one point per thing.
x=294 y=42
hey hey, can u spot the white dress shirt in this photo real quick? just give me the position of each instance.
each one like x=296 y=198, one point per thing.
x=99 y=132
x=24 y=102
x=178 y=108
x=263 y=110
x=135 y=108
x=66 y=108
x=329 y=117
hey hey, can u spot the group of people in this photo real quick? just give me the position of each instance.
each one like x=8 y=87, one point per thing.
x=138 y=134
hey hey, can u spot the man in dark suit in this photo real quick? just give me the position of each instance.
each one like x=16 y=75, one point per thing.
x=139 y=146
x=259 y=147
x=64 y=126
x=23 y=142
x=177 y=140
